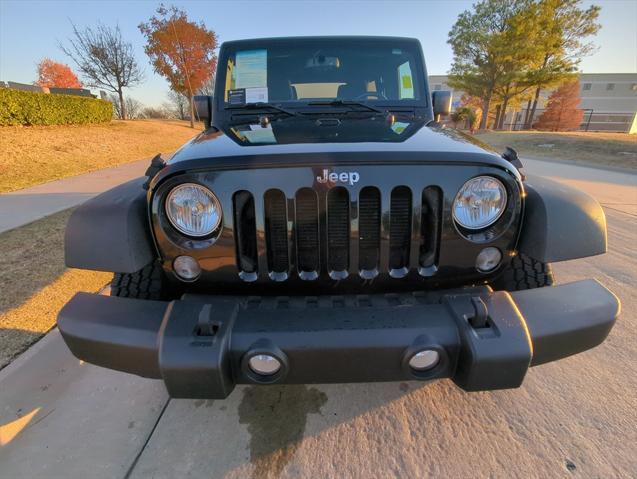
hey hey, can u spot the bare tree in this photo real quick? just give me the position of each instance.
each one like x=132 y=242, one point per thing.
x=157 y=112
x=179 y=104
x=105 y=60
x=208 y=88
x=132 y=107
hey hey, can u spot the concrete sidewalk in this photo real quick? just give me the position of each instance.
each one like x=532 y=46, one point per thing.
x=24 y=206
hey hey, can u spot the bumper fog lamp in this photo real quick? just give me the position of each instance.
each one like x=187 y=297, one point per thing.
x=488 y=259
x=187 y=268
x=264 y=364
x=424 y=360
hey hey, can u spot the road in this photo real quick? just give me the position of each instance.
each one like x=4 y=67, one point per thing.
x=574 y=418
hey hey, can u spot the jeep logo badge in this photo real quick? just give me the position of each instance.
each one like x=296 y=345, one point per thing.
x=348 y=177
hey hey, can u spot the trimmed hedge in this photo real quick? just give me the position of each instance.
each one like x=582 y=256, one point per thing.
x=19 y=107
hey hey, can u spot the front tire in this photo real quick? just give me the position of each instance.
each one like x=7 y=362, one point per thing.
x=523 y=273
x=147 y=283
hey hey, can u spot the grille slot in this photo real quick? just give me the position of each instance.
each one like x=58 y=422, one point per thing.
x=399 y=230
x=276 y=231
x=369 y=228
x=245 y=234
x=430 y=229
x=307 y=233
x=338 y=219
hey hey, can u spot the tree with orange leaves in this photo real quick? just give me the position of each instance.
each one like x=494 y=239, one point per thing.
x=181 y=50
x=561 y=112
x=56 y=75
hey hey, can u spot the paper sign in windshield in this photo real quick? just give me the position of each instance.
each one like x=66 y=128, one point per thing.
x=257 y=134
x=256 y=95
x=251 y=70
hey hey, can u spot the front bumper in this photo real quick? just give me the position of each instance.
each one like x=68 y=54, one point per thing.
x=200 y=345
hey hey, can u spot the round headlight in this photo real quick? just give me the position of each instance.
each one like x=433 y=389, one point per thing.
x=479 y=203
x=193 y=209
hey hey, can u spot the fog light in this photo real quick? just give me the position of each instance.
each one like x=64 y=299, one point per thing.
x=187 y=268
x=425 y=359
x=488 y=259
x=264 y=364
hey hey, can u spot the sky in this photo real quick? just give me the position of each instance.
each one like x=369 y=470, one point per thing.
x=33 y=29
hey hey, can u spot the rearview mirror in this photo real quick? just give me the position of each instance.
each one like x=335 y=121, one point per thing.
x=441 y=102
x=203 y=108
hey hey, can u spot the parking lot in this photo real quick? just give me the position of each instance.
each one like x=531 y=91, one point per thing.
x=60 y=418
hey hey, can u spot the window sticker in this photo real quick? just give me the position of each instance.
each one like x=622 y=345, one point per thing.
x=405 y=84
x=257 y=134
x=251 y=70
x=237 y=97
x=398 y=127
x=256 y=95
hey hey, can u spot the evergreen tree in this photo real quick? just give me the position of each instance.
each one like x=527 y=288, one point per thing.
x=564 y=26
x=491 y=44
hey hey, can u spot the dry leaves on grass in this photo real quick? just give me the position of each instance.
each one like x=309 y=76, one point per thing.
x=35 y=284
x=596 y=148
x=37 y=154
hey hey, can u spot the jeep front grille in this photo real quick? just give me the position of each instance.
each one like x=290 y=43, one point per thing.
x=330 y=232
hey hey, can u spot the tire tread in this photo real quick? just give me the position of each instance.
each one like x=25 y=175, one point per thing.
x=147 y=283
x=523 y=273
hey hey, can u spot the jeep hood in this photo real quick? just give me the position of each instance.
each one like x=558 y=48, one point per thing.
x=329 y=140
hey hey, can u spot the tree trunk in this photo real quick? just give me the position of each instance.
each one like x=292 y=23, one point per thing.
x=486 y=104
x=503 y=113
x=498 y=113
x=513 y=115
x=122 y=105
x=529 y=124
x=526 y=113
x=192 y=111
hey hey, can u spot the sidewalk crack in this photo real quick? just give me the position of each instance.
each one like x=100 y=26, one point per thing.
x=150 y=435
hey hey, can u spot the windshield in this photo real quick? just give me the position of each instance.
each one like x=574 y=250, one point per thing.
x=385 y=72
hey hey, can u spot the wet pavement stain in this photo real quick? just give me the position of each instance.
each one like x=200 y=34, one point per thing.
x=276 y=417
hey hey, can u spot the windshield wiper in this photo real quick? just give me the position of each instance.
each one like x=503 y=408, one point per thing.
x=261 y=106
x=350 y=103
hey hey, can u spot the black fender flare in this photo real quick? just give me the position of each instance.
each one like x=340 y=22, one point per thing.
x=111 y=232
x=560 y=222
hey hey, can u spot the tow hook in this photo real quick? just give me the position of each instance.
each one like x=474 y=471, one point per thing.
x=480 y=313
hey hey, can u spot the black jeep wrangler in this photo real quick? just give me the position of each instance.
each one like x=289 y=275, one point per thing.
x=326 y=228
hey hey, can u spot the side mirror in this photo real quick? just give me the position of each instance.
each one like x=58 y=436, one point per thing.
x=441 y=102
x=203 y=108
